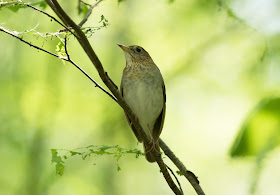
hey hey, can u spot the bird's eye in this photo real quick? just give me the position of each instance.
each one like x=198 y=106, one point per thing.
x=138 y=49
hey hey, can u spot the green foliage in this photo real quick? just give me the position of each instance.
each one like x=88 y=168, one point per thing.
x=60 y=49
x=89 y=31
x=104 y=21
x=179 y=173
x=85 y=152
x=260 y=133
x=57 y=159
x=16 y=5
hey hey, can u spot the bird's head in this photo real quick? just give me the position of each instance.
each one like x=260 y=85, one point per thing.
x=136 y=55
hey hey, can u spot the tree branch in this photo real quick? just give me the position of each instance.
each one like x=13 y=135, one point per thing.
x=188 y=174
x=88 y=13
x=51 y=4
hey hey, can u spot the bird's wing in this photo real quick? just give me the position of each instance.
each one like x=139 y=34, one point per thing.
x=160 y=120
x=139 y=138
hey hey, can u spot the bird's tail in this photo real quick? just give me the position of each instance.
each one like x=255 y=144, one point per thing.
x=148 y=154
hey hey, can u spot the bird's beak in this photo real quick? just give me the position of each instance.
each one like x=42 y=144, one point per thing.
x=124 y=48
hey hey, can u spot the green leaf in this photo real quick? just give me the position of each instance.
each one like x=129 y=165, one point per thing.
x=102 y=18
x=74 y=153
x=179 y=173
x=92 y=150
x=60 y=49
x=59 y=169
x=118 y=168
x=55 y=157
x=103 y=148
x=260 y=132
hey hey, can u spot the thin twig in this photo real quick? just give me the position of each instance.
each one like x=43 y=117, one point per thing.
x=68 y=59
x=35 y=8
x=166 y=175
x=175 y=177
x=89 y=13
x=188 y=174
x=96 y=84
x=81 y=1
x=2 y=4
x=30 y=44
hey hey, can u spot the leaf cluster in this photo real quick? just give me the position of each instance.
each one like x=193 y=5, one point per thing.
x=91 y=150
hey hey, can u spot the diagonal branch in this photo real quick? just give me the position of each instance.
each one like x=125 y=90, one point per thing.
x=50 y=3
x=89 y=12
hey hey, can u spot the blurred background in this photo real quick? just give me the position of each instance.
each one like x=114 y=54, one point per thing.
x=220 y=63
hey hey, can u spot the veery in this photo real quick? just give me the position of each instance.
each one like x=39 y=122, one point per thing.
x=142 y=87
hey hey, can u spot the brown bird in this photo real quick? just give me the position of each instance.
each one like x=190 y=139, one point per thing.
x=142 y=87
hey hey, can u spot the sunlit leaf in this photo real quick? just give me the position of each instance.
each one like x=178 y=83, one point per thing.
x=260 y=133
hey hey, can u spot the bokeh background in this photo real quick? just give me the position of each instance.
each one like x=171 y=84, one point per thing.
x=219 y=59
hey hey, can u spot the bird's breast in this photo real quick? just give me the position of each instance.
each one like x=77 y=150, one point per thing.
x=145 y=97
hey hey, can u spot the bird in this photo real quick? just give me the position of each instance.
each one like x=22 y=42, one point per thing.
x=142 y=87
